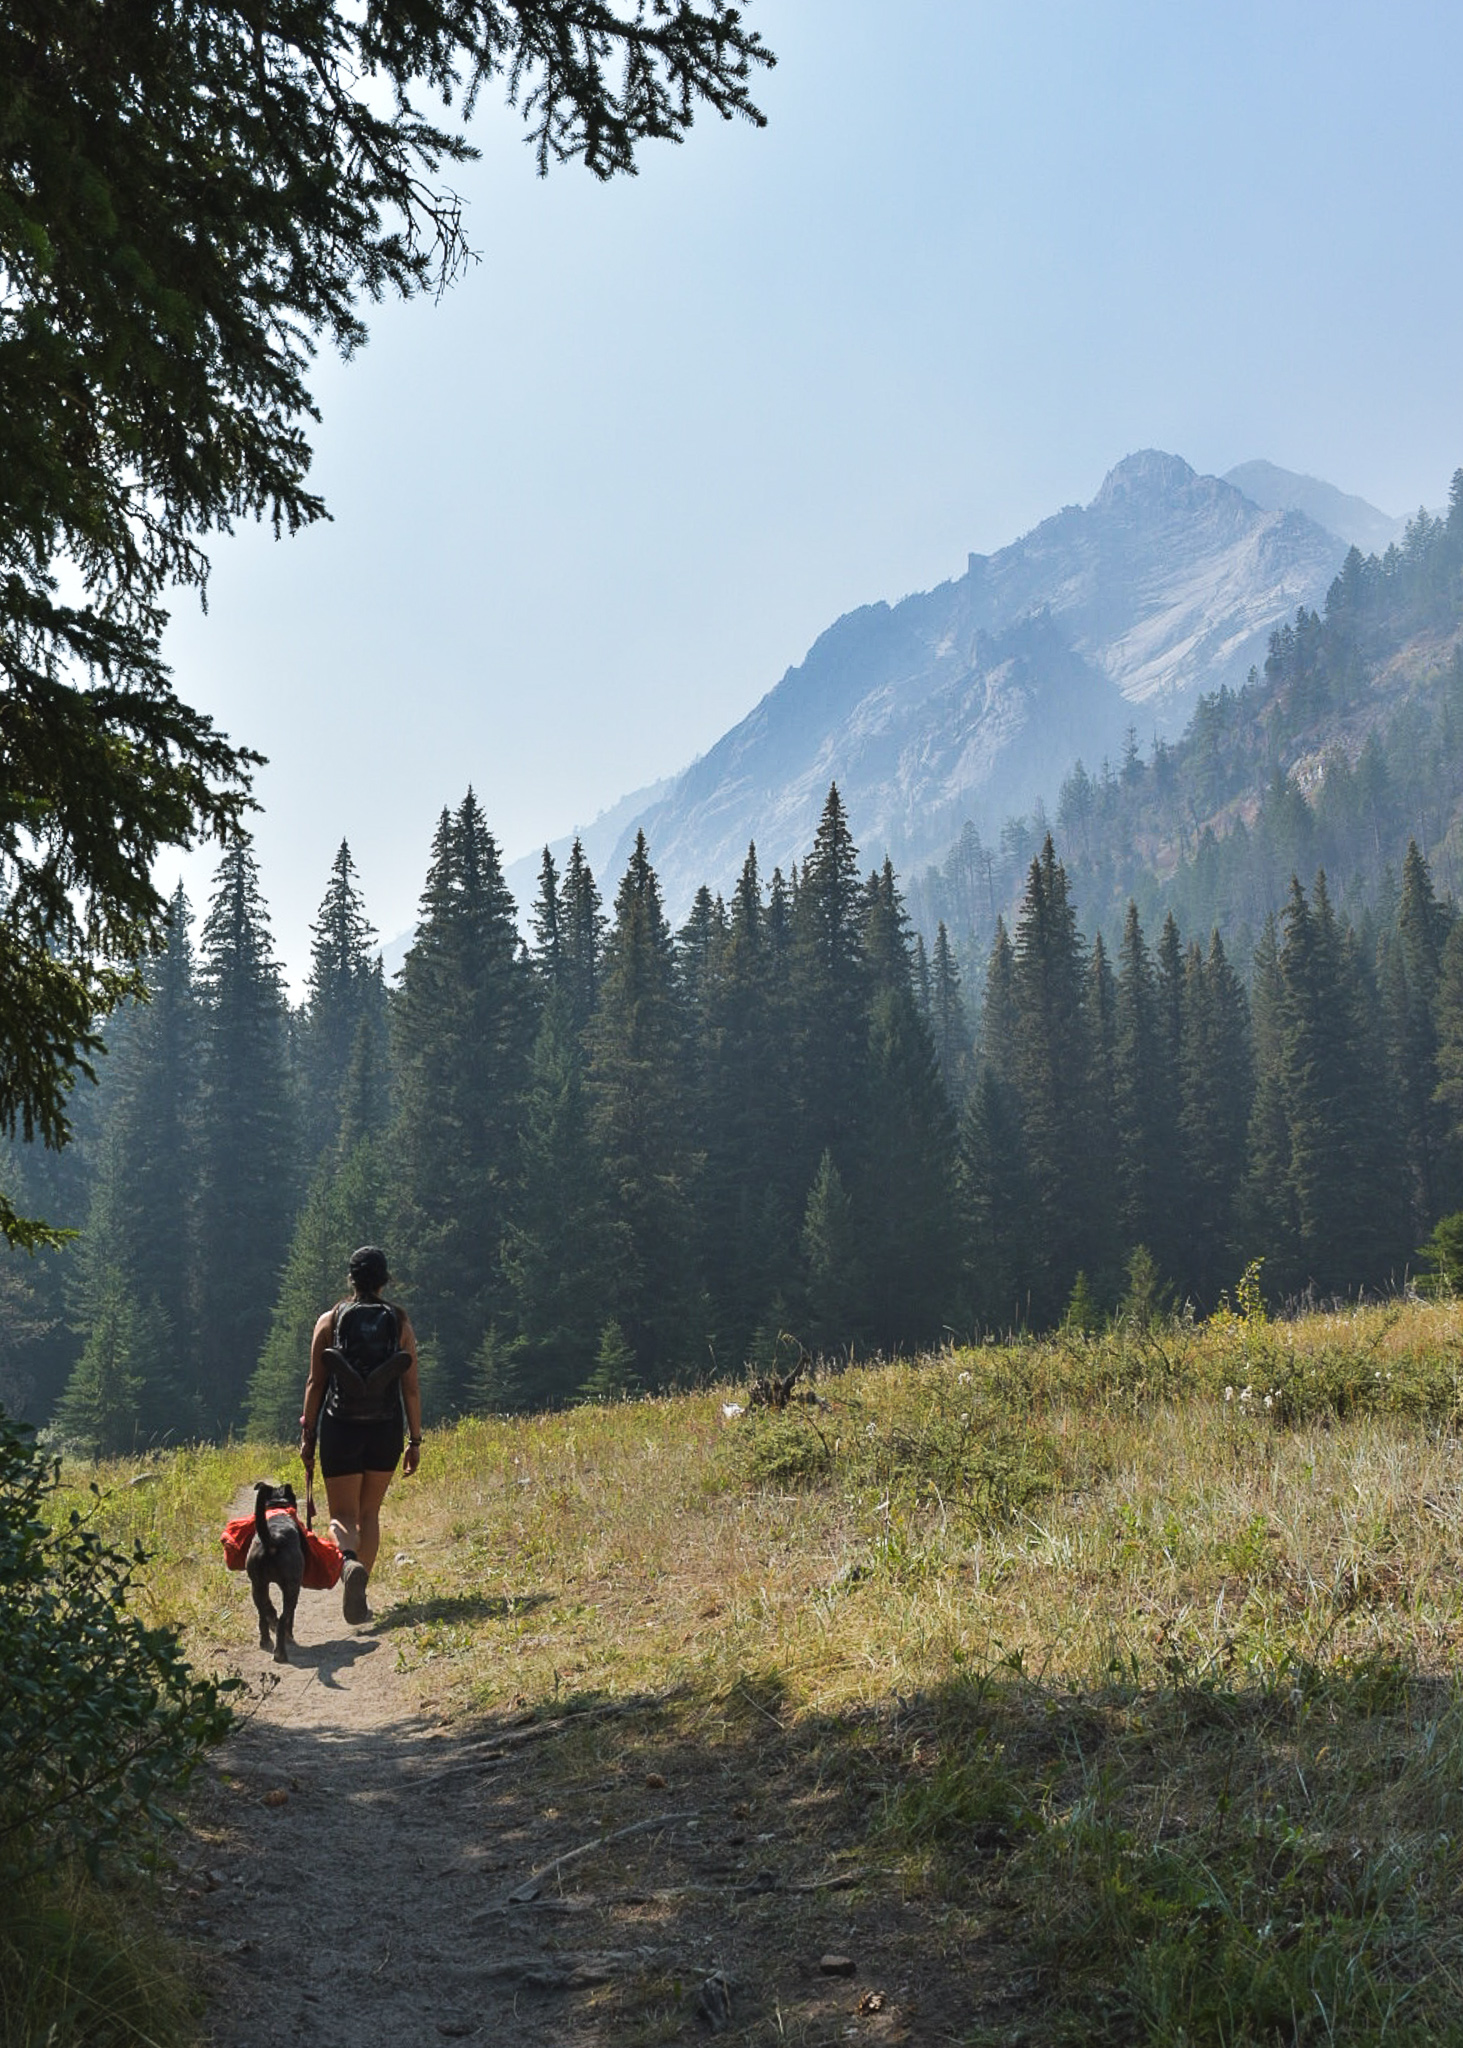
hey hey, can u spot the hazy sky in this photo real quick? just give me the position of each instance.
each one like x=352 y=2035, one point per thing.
x=589 y=507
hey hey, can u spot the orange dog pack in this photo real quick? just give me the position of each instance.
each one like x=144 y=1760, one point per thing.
x=323 y=1562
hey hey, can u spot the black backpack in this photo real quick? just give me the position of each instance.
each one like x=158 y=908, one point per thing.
x=366 y=1362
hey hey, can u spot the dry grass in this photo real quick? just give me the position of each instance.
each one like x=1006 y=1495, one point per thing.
x=1132 y=1697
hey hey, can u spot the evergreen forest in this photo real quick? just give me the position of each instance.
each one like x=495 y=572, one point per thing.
x=618 y=1156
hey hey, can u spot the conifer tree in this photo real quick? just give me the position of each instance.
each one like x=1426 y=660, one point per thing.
x=906 y=1179
x=247 y=1138
x=1269 y=1222
x=920 y=974
x=348 y=1205
x=582 y=929
x=1342 y=1167
x=1169 y=1246
x=640 y=1118
x=152 y=1115
x=947 y=1019
x=547 y=920
x=615 y=1377
x=1410 y=991
x=1104 y=1247
x=995 y=1207
x=1216 y=1086
x=120 y=1395
x=1448 y=1025
x=830 y=987
x=884 y=934
x=833 y=1290
x=345 y=985
x=462 y=1031
x=100 y=1413
x=747 y=1208
x=562 y=1247
x=1142 y=1168
x=1053 y=1067
x=998 y=1021
x=364 y=1110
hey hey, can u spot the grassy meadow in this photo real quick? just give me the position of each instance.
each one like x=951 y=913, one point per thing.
x=1117 y=1673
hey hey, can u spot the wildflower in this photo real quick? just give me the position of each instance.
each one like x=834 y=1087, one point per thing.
x=1269 y=1400
x=1245 y=1393
x=1229 y=1393
x=732 y=1409
x=871 y=1430
x=962 y=1379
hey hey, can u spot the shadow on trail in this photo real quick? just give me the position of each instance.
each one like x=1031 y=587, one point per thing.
x=458 y=1607
x=329 y=1659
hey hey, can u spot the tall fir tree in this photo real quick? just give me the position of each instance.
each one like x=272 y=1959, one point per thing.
x=747 y=1206
x=833 y=1289
x=947 y=1018
x=1103 y=1257
x=121 y=1395
x=999 y=1028
x=348 y=1205
x=1411 y=974
x=995 y=1209
x=640 y=1118
x=345 y=988
x=1269 y=1222
x=1216 y=1088
x=547 y=917
x=1053 y=1074
x=462 y=1030
x=1343 y=1166
x=562 y=1248
x=830 y=989
x=153 y=1109
x=1144 y=1141
x=248 y=1144
x=581 y=935
x=905 y=1204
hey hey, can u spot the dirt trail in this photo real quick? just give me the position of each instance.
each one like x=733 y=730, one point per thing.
x=344 y=1863
x=357 y=1873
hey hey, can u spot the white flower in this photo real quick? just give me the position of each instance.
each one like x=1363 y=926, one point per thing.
x=1245 y=1393
x=1269 y=1400
x=962 y=1379
x=1229 y=1393
x=732 y=1409
x=871 y=1430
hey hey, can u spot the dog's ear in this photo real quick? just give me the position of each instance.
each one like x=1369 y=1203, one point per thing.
x=261 y=1487
x=287 y=1493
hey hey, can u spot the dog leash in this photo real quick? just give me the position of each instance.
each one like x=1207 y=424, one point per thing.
x=309 y=1464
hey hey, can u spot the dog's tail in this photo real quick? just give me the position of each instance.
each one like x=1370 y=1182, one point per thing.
x=261 y=1520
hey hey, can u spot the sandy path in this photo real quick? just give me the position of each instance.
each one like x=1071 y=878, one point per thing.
x=352 y=1869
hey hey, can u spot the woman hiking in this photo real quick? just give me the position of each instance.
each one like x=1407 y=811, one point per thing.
x=364 y=1397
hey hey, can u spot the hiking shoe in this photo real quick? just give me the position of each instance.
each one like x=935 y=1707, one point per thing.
x=353 y=1595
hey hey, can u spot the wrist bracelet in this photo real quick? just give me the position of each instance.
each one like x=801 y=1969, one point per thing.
x=414 y=1443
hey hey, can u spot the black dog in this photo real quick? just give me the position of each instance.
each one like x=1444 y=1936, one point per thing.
x=276 y=1558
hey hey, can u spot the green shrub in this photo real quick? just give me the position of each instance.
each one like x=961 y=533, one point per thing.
x=100 y=1716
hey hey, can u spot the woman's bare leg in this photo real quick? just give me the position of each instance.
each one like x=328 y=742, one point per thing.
x=344 y=1496
x=373 y=1487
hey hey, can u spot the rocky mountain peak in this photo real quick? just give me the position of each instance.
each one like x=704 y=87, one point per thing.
x=1142 y=478
x=972 y=700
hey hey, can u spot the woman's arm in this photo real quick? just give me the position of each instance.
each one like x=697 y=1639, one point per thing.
x=315 y=1384
x=411 y=1394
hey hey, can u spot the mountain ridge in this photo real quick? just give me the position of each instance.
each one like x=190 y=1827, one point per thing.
x=974 y=698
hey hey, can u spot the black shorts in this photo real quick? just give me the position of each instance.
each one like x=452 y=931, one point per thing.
x=347 y=1447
